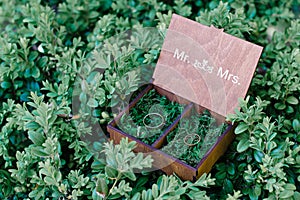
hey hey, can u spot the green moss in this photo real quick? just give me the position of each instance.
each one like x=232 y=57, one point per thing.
x=139 y=125
x=204 y=125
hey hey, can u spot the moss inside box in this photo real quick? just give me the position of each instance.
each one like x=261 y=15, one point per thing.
x=150 y=117
x=193 y=137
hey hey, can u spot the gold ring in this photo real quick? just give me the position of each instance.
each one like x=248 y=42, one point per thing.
x=157 y=114
x=194 y=136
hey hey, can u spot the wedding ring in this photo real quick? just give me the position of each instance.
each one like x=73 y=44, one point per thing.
x=193 y=136
x=154 y=114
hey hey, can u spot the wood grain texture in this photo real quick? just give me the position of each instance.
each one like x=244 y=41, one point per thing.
x=233 y=62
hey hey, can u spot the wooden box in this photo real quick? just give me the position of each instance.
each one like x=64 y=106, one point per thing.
x=202 y=68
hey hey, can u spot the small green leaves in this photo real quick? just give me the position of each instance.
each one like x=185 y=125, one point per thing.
x=59 y=44
x=122 y=189
x=288 y=192
x=236 y=195
x=229 y=23
x=169 y=187
x=181 y=9
x=52 y=175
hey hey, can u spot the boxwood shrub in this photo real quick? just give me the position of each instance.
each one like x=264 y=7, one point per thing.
x=46 y=50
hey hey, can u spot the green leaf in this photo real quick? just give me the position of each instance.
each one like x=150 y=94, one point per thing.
x=51 y=94
x=180 y=191
x=38 y=193
x=195 y=195
x=280 y=106
x=141 y=181
x=83 y=97
x=6 y=85
x=36 y=137
x=84 y=86
x=39 y=151
x=136 y=196
x=147 y=195
x=111 y=172
x=92 y=76
x=42 y=61
x=93 y=14
x=258 y=156
x=18 y=84
x=297 y=194
x=32 y=125
x=98 y=164
x=253 y=195
x=92 y=103
x=130 y=175
x=286 y=194
x=228 y=187
x=296 y=125
x=33 y=55
x=292 y=100
x=155 y=191
x=290 y=109
x=50 y=181
x=35 y=72
x=231 y=169
x=109 y=87
x=122 y=189
x=221 y=175
x=280 y=45
x=289 y=186
x=102 y=187
x=243 y=145
x=257 y=190
x=241 y=128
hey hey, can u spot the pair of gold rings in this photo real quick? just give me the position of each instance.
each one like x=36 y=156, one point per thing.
x=190 y=139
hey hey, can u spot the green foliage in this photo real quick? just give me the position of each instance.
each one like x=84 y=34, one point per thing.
x=170 y=187
x=120 y=163
x=233 y=23
x=78 y=15
x=268 y=171
x=54 y=53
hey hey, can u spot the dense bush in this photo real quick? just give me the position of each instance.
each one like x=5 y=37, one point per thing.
x=44 y=45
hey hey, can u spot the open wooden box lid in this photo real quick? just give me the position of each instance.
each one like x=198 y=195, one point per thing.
x=205 y=65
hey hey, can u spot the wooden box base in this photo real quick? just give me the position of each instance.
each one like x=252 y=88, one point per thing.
x=163 y=161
